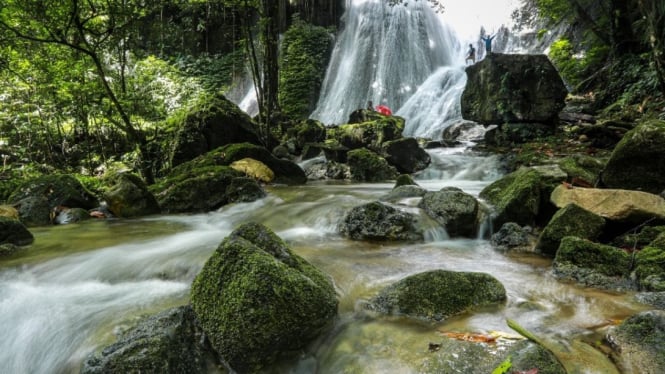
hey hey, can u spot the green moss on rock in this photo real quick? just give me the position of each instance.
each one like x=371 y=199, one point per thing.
x=572 y=220
x=367 y=166
x=650 y=269
x=639 y=342
x=378 y=221
x=14 y=232
x=258 y=302
x=371 y=134
x=438 y=294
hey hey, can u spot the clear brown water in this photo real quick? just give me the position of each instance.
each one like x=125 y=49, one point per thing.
x=77 y=285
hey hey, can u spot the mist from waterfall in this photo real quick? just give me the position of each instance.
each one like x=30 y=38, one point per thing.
x=385 y=53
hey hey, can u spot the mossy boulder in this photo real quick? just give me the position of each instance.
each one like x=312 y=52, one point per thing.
x=257 y=301
x=571 y=220
x=404 y=192
x=286 y=172
x=168 y=342
x=593 y=264
x=254 y=169
x=513 y=88
x=522 y=196
x=14 y=232
x=406 y=155
x=213 y=122
x=202 y=189
x=371 y=134
x=244 y=190
x=513 y=134
x=637 y=162
x=652 y=236
x=367 y=166
x=303 y=61
x=650 y=269
x=438 y=294
x=36 y=198
x=454 y=209
x=307 y=132
x=638 y=343
x=582 y=167
x=8 y=211
x=128 y=196
x=404 y=180
x=380 y=222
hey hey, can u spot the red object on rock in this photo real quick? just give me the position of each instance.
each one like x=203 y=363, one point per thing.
x=384 y=110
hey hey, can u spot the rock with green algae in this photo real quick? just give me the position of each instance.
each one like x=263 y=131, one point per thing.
x=522 y=196
x=438 y=294
x=571 y=220
x=380 y=222
x=36 y=198
x=637 y=162
x=14 y=232
x=457 y=211
x=286 y=172
x=638 y=343
x=372 y=134
x=650 y=269
x=258 y=302
x=128 y=196
x=404 y=180
x=367 y=166
x=582 y=167
x=406 y=155
x=593 y=264
x=404 y=192
x=169 y=342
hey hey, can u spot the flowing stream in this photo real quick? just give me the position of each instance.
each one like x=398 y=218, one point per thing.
x=79 y=285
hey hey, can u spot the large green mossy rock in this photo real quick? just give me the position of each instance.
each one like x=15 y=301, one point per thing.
x=14 y=232
x=593 y=264
x=170 y=342
x=638 y=343
x=128 y=196
x=36 y=198
x=257 y=301
x=513 y=88
x=523 y=195
x=438 y=294
x=307 y=132
x=572 y=220
x=454 y=209
x=371 y=134
x=582 y=167
x=380 y=222
x=367 y=166
x=650 y=269
x=213 y=122
x=303 y=61
x=637 y=162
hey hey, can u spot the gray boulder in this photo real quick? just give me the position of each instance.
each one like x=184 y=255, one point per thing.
x=454 y=209
x=169 y=342
x=438 y=294
x=513 y=237
x=513 y=88
x=258 y=302
x=367 y=166
x=377 y=221
x=638 y=343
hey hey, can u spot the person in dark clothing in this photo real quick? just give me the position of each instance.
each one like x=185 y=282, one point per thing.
x=471 y=55
x=488 y=42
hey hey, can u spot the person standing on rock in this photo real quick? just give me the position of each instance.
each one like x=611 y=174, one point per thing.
x=471 y=55
x=488 y=43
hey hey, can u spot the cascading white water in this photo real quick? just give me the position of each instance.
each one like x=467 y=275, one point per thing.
x=384 y=54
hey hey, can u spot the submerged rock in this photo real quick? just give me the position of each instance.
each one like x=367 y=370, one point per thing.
x=438 y=294
x=377 y=221
x=454 y=209
x=638 y=343
x=169 y=342
x=637 y=162
x=257 y=301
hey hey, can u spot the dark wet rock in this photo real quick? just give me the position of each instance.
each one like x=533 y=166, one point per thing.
x=321 y=169
x=652 y=236
x=522 y=196
x=334 y=152
x=213 y=122
x=367 y=166
x=638 y=343
x=128 y=196
x=593 y=264
x=655 y=299
x=281 y=151
x=35 y=199
x=454 y=209
x=377 y=221
x=406 y=155
x=310 y=151
x=365 y=115
x=571 y=220
x=520 y=88
x=637 y=162
x=306 y=132
x=168 y=342
x=513 y=237
x=64 y=215
x=258 y=302
x=286 y=172
x=603 y=136
x=511 y=134
x=8 y=249
x=370 y=135
x=404 y=180
x=438 y=294
x=244 y=190
x=404 y=192
x=650 y=269
x=463 y=131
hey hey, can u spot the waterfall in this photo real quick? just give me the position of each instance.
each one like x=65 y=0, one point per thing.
x=386 y=53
